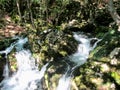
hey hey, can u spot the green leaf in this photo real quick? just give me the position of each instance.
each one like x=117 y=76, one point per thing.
x=112 y=31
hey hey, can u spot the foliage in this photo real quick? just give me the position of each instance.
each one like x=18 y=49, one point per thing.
x=49 y=25
x=116 y=76
x=54 y=12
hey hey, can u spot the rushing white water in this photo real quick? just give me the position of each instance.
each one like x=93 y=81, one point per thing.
x=28 y=76
x=19 y=43
x=65 y=81
x=77 y=58
x=84 y=49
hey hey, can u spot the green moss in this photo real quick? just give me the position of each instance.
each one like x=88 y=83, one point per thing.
x=63 y=53
x=116 y=77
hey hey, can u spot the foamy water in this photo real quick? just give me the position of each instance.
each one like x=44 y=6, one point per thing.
x=28 y=76
x=78 y=58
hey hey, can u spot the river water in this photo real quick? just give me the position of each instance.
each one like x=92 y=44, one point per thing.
x=29 y=77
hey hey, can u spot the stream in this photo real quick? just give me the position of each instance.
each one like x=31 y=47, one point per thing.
x=29 y=77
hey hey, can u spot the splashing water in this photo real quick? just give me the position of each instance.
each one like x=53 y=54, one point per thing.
x=27 y=76
x=65 y=81
x=20 y=42
x=77 y=58
x=84 y=49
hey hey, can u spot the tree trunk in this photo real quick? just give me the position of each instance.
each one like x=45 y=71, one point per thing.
x=30 y=13
x=18 y=7
x=114 y=13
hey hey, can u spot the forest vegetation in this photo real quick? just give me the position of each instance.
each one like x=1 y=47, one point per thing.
x=49 y=25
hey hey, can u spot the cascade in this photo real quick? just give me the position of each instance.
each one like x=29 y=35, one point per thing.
x=29 y=77
x=18 y=43
x=64 y=82
x=78 y=58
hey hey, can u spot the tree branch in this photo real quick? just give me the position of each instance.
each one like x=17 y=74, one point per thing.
x=114 y=13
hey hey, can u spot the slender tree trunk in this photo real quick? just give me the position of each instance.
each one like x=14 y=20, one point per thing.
x=18 y=7
x=114 y=13
x=30 y=12
x=46 y=4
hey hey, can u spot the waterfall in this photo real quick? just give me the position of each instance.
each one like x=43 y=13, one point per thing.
x=64 y=82
x=83 y=50
x=78 y=58
x=28 y=76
